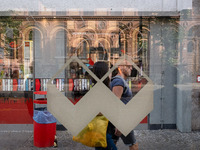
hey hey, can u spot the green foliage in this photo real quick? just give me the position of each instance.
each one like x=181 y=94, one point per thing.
x=168 y=35
x=1 y=74
x=8 y=22
x=22 y=67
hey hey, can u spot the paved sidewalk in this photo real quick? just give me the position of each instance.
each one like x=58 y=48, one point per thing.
x=147 y=139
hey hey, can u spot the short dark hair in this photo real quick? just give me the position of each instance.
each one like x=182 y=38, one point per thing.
x=100 y=68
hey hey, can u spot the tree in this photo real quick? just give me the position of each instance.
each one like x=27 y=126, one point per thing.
x=9 y=33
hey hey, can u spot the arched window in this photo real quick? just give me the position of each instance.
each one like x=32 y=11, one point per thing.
x=194 y=31
x=60 y=43
x=30 y=35
x=190 y=46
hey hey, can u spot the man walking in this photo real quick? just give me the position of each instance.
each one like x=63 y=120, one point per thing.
x=121 y=89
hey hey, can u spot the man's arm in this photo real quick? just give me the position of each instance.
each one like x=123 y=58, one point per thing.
x=118 y=90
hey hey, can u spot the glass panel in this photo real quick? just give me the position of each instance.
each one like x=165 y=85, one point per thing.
x=16 y=68
x=76 y=83
x=31 y=52
x=162 y=41
x=90 y=41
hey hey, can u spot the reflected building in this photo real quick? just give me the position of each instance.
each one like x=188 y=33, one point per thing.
x=163 y=44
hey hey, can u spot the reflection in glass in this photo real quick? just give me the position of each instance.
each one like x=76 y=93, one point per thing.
x=77 y=82
x=128 y=77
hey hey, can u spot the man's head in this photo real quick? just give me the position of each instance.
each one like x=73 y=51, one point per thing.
x=125 y=68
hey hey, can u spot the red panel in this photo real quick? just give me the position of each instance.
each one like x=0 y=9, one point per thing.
x=41 y=92
x=40 y=101
x=37 y=85
x=144 y=120
x=71 y=84
x=16 y=111
x=75 y=100
x=15 y=84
